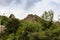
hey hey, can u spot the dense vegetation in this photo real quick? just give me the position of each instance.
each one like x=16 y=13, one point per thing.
x=32 y=27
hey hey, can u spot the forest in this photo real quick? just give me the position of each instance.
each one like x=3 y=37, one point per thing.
x=32 y=27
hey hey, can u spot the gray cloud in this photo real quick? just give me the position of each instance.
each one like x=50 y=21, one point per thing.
x=8 y=2
x=29 y=3
x=5 y=2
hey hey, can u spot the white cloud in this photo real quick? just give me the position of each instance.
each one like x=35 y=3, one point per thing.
x=41 y=7
x=57 y=1
x=38 y=8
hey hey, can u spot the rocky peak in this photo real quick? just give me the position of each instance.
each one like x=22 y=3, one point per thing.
x=32 y=17
x=11 y=16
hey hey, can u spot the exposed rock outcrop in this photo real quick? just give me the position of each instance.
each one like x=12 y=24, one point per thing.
x=11 y=16
x=33 y=18
x=2 y=28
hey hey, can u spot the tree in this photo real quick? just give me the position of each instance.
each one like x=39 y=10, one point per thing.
x=47 y=19
x=59 y=18
x=12 y=25
x=48 y=16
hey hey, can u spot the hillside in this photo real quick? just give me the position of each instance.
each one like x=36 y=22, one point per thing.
x=32 y=27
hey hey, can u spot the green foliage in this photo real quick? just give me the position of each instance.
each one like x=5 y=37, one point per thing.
x=12 y=25
x=4 y=20
x=26 y=29
x=47 y=19
x=43 y=29
x=11 y=37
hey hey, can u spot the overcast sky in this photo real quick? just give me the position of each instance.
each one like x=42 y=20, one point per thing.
x=21 y=8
